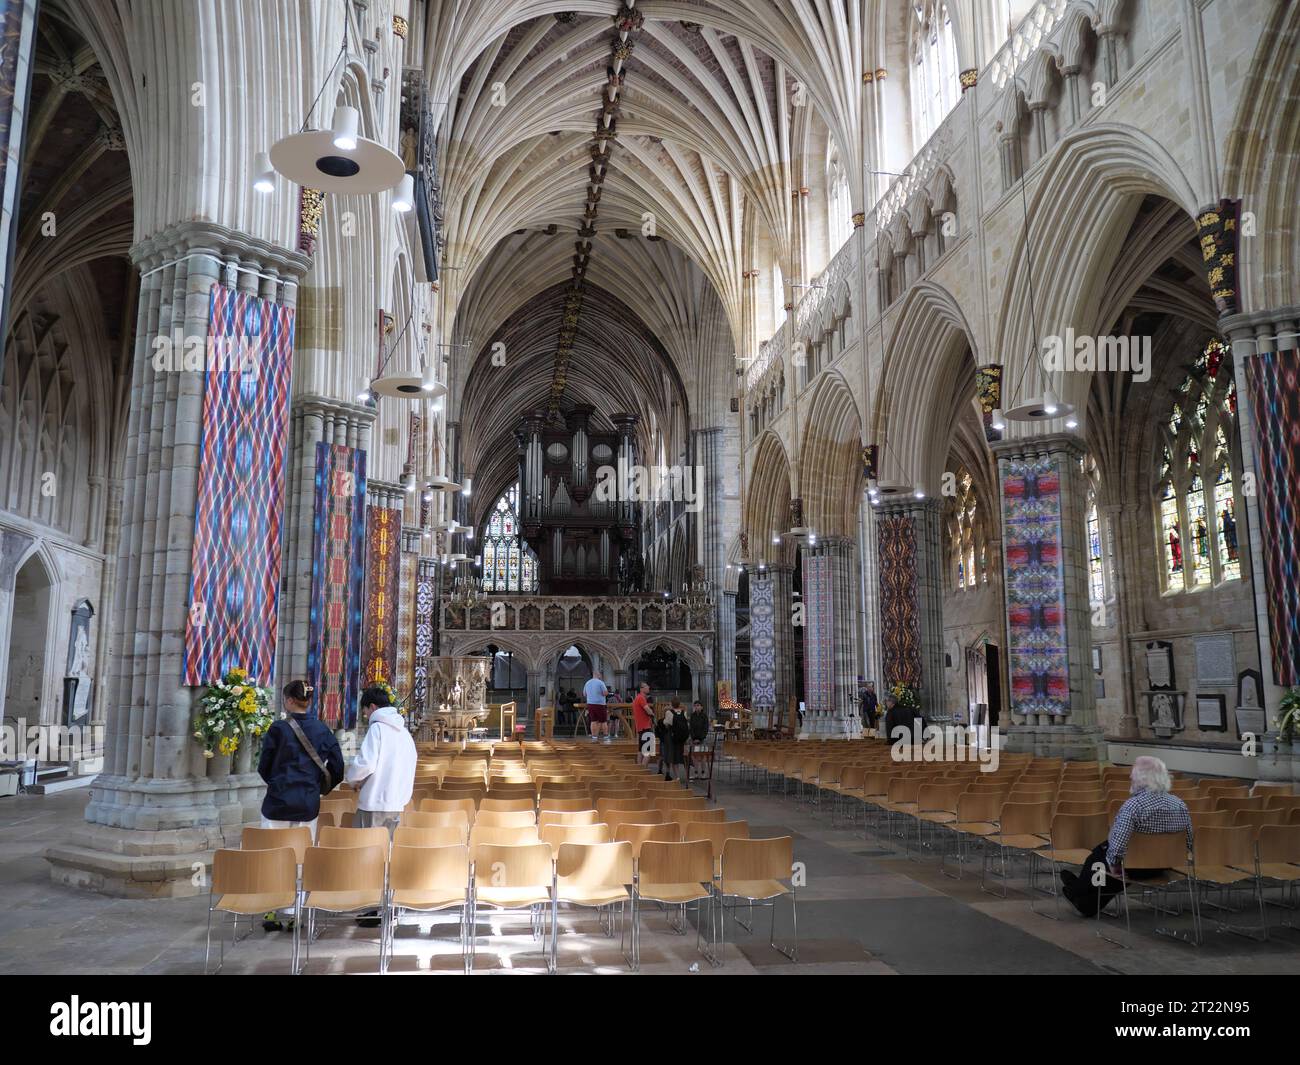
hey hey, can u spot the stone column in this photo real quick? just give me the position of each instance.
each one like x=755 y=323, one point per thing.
x=910 y=566
x=159 y=808
x=867 y=625
x=726 y=660
x=1128 y=608
x=840 y=551
x=782 y=578
x=1044 y=518
x=1252 y=335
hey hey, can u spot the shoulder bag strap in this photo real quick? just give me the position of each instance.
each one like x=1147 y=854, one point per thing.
x=311 y=751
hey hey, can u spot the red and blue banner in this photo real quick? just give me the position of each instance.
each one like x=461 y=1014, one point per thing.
x=1274 y=382
x=235 y=559
x=384 y=542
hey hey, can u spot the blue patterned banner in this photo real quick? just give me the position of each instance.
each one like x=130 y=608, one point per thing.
x=819 y=635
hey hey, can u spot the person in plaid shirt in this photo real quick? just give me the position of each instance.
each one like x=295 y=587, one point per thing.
x=1150 y=809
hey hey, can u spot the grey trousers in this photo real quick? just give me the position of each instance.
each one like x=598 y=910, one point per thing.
x=389 y=819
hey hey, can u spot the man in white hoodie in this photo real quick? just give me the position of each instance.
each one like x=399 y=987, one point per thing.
x=386 y=764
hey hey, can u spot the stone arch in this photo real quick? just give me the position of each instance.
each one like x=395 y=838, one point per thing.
x=1262 y=166
x=1079 y=212
x=831 y=458
x=768 y=507
x=691 y=652
x=926 y=353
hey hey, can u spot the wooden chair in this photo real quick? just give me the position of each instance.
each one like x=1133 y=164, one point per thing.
x=505 y=818
x=1277 y=850
x=436 y=806
x=565 y=805
x=1023 y=827
x=353 y=837
x=344 y=880
x=514 y=878
x=437 y=819
x=977 y=819
x=250 y=883
x=1224 y=858
x=716 y=833
x=1163 y=850
x=753 y=870
x=1233 y=804
x=936 y=804
x=1213 y=819
x=595 y=876
x=1071 y=839
x=485 y=835
x=558 y=835
x=428 y=879
x=633 y=817
x=673 y=874
x=495 y=804
x=568 y=817
x=668 y=805
x=298 y=839
x=437 y=836
x=637 y=834
x=687 y=817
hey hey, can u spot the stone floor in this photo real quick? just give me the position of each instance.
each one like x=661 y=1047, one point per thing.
x=866 y=908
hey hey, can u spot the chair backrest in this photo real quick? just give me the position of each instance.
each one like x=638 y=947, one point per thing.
x=1279 y=844
x=1233 y=803
x=1232 y=845
x=1081 y=831
x=592 y=866
x=429 y=868
x=513 y=865
x=1090 y=807
x=1156 y=850
x=1234 y=791
x=757 y=859
x=434 y=806
x=695 y=817
x=437 y=819
x=483 y=835
x=634 y=817
x=265 y=839
x=438 y=836
x=568 y=817
x=578 y=802
x=344 y=868
x=1025 y=818
x=1205 y=805
x=716 y=833
x=979 y=807
x=639 y=834
x=933 y=797
x=1257 y=819
x=606 y=806
x=1281 y=802
x=496 y=804
x=675 y=863
x=505 y=818
x=261 y=871
x=353 y=837
x=698 y=802
x=1213 y=819
x=558 y=835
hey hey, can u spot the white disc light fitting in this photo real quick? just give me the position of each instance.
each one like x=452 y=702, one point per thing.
x=314 y=159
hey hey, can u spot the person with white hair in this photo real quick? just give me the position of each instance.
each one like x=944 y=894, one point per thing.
x=1149 y=809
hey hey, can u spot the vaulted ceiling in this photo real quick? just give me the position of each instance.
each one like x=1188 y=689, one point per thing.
x=709 y=111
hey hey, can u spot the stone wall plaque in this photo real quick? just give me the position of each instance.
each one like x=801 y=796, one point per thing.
x=1216 y=661
x=1160 y=664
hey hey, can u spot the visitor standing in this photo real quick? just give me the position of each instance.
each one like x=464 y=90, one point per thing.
x=643 y=722
x=595 y=693
x=385 y=765
x=300 y=761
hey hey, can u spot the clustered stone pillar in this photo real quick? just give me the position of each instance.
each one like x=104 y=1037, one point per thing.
x=727 y=639
x=840 y=552
x=315 y=419
x=1031 y=539
x=159 y=806
x=783 y=635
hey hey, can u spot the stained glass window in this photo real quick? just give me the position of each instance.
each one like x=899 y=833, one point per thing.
x=1096 y=574
x=1196 y=486
x=965 y=534
x=509 y=564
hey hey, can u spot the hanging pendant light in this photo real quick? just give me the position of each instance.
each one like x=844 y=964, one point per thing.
x=998 y=422
x=264 y=174
x=404 y=198
x=347 y=120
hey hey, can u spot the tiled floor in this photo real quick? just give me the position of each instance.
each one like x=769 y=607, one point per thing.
x=866 y=908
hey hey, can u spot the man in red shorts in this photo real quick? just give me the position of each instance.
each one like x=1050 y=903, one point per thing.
x=643 y=722
x=595 y=694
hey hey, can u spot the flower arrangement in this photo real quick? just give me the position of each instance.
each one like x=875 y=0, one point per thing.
x=906 y=695
x=394 y=699
x=1288 y=720
x=230 y=711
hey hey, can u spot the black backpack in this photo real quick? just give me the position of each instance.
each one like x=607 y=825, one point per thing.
x=681 y=727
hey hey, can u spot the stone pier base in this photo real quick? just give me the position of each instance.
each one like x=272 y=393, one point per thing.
x=1074 y=743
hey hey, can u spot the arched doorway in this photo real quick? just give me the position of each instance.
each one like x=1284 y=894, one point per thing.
x=572 y=670
x=666 y=671
x=25 y=694
x=508 y=681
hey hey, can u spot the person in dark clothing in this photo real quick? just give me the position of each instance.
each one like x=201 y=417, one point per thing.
x=293 y=780
x=897 y=717
x=677 y=733
x=868 y=705
x=699 y=733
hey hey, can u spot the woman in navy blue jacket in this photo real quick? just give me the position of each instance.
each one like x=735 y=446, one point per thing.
x=293 y=780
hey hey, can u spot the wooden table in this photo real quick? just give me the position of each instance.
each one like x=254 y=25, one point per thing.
x=615 y=714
